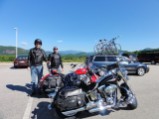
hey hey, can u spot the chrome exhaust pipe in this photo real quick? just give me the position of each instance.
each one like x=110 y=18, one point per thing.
x=73 y=111
x=101 y=108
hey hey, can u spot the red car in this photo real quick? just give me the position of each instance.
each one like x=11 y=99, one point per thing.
x=21 y=61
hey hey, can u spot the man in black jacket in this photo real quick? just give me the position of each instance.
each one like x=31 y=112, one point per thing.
x=55 y=59
x=35 y=58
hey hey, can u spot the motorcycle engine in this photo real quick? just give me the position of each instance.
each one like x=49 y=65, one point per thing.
x=86 y=79
x=108 y=91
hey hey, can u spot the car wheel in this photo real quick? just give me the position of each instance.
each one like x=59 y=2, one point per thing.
x=141 y=71
x=153 y=62
x=15 y=66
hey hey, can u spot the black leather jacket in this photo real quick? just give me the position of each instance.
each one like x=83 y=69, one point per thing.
x=55 y=60
x=36 y=57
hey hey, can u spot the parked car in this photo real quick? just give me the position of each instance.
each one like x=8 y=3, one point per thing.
x=151 y=56
x=21 y=61
x=132 y=67
x=135 y=67
x=131 y=57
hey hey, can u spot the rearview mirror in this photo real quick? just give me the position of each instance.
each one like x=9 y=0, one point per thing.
x=73 y=65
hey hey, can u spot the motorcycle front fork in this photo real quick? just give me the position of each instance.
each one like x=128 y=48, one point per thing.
x=126 y=96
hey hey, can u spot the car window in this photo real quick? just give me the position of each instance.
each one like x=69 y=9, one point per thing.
x=99 y=59
x=125 y=58
x=22 y=57
x=112 y=59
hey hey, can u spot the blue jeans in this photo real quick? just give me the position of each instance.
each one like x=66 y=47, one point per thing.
x=36 y=75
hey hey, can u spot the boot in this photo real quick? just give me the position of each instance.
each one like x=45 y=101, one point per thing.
x=33 y=90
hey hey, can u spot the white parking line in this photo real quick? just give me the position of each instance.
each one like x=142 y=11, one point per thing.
x=28 y=109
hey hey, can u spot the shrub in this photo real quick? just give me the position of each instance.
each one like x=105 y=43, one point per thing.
x=6 y=58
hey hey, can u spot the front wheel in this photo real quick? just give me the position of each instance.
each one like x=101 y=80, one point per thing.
x=132 y=103
x=130 y=98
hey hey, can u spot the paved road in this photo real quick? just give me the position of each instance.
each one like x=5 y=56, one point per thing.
x=16 y=104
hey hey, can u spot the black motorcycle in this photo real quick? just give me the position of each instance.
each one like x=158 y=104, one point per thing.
x=79 y=94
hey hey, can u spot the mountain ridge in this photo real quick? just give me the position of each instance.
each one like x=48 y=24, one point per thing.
x=10 y=50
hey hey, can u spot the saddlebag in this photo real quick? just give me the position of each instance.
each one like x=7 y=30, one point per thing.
x=70 y=98
x=51 y=83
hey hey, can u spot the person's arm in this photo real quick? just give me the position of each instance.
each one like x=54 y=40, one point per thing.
x=61 y=63
x=49 y=58
x=29 y=58
x=44 y=56
x=49 y=61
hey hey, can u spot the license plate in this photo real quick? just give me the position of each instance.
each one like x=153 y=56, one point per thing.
x=21 y=62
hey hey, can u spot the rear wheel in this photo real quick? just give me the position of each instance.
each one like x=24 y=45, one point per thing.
x=61 y=115
x=141 y=71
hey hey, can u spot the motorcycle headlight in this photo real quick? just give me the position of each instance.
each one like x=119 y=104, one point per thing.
x=114 y=71
x=101 y=73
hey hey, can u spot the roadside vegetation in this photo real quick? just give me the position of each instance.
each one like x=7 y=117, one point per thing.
x=7 y=58
x=65 y=58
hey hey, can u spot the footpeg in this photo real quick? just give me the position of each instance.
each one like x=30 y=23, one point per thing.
x=52 y=95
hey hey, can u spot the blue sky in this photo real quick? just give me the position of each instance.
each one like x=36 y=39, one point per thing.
x=78 y=24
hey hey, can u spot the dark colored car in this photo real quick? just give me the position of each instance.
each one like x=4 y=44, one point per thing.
x=135 y=67
x=151 y=56
x=21 y=61
x=132 y=67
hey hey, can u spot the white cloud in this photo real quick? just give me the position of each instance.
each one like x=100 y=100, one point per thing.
x=60 y=41
x=24 y=43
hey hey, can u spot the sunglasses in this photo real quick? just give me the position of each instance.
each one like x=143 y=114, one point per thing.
x=38 y=44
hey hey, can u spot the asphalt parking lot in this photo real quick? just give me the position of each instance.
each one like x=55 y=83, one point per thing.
x=16 y=104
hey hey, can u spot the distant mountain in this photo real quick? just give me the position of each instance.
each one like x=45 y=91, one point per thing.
x=10 y=50
x=150 y=49
x=147 y=49
x=73 y=52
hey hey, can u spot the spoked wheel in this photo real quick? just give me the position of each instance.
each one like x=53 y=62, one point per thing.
x=141 y=71
x=113 y=49
x=130 y=98
x=132 y=103
x=97 y=49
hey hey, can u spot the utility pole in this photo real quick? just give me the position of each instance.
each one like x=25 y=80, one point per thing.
x=16 y=40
